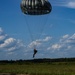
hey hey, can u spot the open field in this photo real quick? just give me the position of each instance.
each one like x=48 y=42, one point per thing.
x=43 y=68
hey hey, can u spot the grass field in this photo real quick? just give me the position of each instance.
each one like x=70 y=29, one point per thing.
x=52 y=68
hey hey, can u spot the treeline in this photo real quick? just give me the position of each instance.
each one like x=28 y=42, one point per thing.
x=38 y=60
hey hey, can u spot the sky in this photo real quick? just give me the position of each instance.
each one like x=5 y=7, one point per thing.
x=53 y=35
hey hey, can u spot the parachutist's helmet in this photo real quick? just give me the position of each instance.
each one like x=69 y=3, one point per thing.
x=36 y=7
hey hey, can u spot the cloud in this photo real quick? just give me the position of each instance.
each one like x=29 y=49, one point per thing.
x=47 y=47
x=39 y=42
x=55 y=47
x=2 y=37
x=64 y=37
x=8 y=43
x=1 y=31
x=66 y=42
x=47 y=38
x=70 y=4
x=65 y=3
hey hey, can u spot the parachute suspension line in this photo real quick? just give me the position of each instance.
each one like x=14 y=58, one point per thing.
x=29 y=29
x=31 y=35
x=30 y=32
x=42 y=30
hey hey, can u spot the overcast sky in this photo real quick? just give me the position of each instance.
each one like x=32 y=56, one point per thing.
x=52 y=34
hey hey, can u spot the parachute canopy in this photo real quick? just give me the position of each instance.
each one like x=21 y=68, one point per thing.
x=36 y=7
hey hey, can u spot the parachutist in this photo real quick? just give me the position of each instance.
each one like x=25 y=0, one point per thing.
x=35 y=51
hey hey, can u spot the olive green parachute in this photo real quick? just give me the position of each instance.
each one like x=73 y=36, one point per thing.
x=36 y=7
